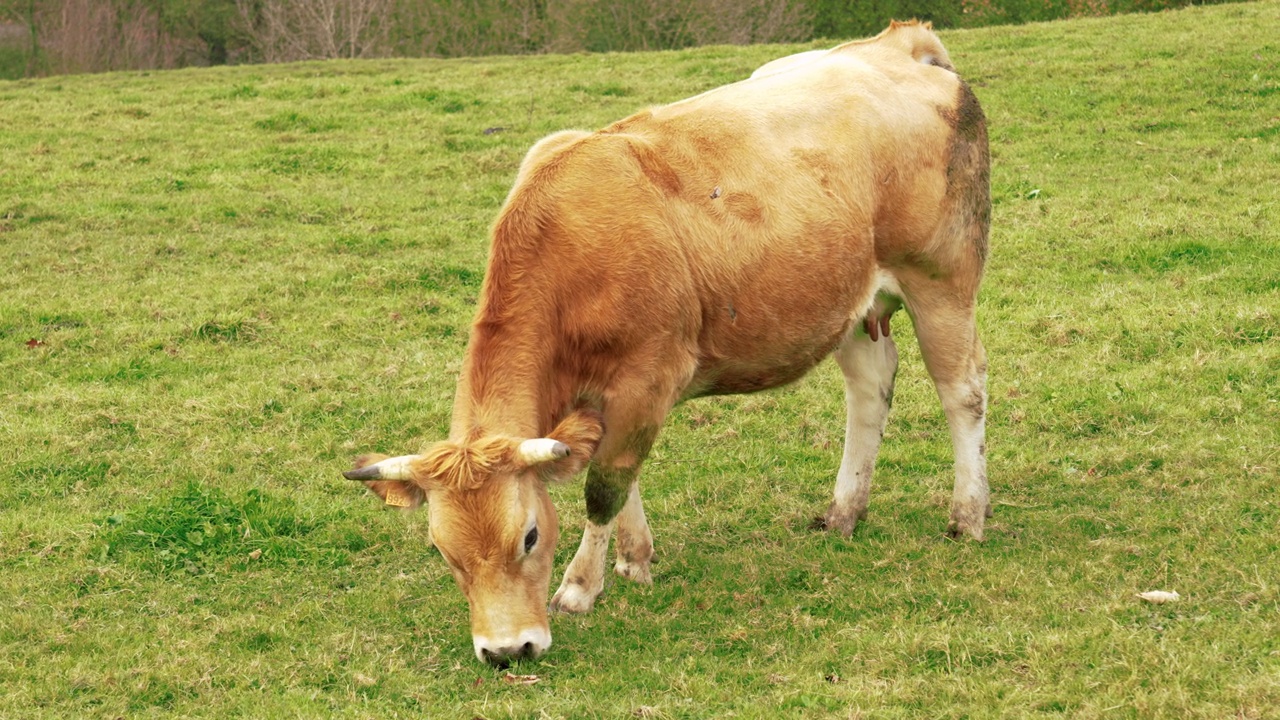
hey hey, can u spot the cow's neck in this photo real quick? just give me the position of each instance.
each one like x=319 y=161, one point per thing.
x=511 y=383
x=506 y=382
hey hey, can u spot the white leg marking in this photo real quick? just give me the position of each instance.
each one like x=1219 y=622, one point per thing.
x=965 y=405
x=584 y=578
x=948 y=335
x=635 y=542
x=869 y=368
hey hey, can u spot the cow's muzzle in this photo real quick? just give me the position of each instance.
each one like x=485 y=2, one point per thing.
x=530 y=645
x=502 y=658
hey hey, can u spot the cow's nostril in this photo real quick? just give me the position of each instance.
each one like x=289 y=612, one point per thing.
x=526 y=650
x=495 y=659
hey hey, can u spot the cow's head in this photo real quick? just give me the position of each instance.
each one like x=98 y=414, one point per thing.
x=493 y=521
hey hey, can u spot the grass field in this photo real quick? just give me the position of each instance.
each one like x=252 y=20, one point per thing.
x=221 y=284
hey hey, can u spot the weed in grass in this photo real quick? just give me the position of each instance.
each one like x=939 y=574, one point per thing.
x=603 y=89
x=292 y=121
x=227 y=331
x=54 y=479
x=201 y=525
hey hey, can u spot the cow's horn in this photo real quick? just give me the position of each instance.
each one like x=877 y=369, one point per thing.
x=396 y=468
x=540 y=450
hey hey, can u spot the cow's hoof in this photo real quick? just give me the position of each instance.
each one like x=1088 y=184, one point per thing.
x=968 y=518
x=634 y=571
x=959 y=528
x=572 y=598
x=840 y=520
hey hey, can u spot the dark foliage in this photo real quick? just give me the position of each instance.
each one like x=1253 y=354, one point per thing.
x=40 y=37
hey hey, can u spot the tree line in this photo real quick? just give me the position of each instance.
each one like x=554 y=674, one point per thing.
x=41 y=37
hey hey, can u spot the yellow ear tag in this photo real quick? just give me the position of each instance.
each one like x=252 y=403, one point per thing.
x=397 y=497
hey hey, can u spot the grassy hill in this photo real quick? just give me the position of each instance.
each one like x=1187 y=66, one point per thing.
x=223 y=283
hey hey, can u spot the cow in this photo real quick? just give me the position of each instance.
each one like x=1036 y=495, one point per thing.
x=726 y=243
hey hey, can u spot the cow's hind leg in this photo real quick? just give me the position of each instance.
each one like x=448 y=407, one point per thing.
x=869 y=367
x=947 y=330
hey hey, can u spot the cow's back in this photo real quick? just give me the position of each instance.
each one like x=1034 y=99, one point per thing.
x=755 y=218
x=859 y=136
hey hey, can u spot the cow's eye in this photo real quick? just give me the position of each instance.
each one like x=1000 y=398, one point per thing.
x=530 y=539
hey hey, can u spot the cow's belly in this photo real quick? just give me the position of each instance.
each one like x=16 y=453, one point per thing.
x=735 y=375
x=773 y=331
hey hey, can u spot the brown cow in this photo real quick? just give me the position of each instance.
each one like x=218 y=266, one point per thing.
x=722 y=244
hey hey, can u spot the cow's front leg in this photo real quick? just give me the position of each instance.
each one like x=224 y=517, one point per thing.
x=634 y=410
x=584 y=579
x=607 y=491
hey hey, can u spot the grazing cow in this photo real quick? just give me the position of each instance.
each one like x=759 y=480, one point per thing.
x=722 y=244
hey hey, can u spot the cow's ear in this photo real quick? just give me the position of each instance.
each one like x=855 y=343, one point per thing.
x=581 y=431
x=393 y=493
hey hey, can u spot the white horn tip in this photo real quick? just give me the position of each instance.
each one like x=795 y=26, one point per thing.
x=540 y=450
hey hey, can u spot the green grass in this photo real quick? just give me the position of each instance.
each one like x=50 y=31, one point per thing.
x=222 y=284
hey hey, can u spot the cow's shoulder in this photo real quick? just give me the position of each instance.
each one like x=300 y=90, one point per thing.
x=546 y=151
